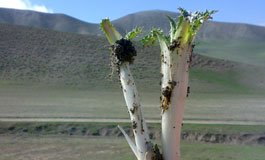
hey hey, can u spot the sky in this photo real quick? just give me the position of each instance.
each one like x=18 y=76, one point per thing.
x=240 y=11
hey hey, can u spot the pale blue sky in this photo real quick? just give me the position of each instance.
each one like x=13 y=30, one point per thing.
x=242 y=11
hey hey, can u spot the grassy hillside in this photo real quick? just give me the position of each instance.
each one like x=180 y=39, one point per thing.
x=249 y=52
x=30 y=55
x=147 y=19
x=231 y=41
x=46 y=73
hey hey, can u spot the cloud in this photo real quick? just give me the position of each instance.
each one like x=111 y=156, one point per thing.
x=24 y=4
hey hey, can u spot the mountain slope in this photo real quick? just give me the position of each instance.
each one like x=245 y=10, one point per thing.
x=242 y=43
x=216 y=31
x=29 y=55
x=146 y=19
x=59 y=22
x=211 y=31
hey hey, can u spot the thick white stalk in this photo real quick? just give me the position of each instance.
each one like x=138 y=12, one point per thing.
x=173 y=115
x=165 y=65
x=176 y=53
x=123 y=53
x=132 y=100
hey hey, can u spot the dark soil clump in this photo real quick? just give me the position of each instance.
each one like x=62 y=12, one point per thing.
x=123 y=51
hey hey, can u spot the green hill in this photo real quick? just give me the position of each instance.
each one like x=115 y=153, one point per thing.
x=50 y=58
x=211 y=31
x=242 y=43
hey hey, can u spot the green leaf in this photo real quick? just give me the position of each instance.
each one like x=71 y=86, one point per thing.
x=183 y=32
x=195 y=21
x=180 y=21
x=163 y=41
x=112 y=34
x=148 y=40
x=173 y=27
x=133 y=33
x=160 y=35
x=153 y=36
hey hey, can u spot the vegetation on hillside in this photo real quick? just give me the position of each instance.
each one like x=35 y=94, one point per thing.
x=211 y=31
x=31 y=55
x=229 y=41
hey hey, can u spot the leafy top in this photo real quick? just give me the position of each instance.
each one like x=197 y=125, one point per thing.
x=112 y=34
x=133 y=34
x=184 y=30
x=196 y=19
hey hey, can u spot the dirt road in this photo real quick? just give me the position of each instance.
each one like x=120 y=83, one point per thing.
x=123 y=121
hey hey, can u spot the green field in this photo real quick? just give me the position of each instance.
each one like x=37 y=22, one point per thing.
x=34 y=140
x=100 y=148
x=247 y=52
x=32 y=101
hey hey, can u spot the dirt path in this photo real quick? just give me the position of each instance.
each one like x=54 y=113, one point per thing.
x=123 y=121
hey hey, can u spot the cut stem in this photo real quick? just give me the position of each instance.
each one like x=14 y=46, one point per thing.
x=132 y=100
x=122 y=55
x=173 y=115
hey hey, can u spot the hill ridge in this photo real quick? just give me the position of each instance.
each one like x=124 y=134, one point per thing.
x=211 y=31
x=58 y=21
